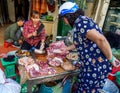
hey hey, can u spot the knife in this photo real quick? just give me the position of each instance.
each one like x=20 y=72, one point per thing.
x=33 y=55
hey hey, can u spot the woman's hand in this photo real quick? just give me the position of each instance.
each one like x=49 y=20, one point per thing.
x=30 y=35
x=20 y=41
x=42 y=46
x=34 y=33
x=71 y=47
x=64 y=49
x=116 y=63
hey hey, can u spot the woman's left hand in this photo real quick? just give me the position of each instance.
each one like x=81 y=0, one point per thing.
x=34 y=33
x=116 y=63
x=42 y=46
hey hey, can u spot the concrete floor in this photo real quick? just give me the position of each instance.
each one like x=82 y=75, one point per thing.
x=2 y=29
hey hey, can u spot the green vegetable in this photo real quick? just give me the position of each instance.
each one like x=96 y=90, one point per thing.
x=49 y=18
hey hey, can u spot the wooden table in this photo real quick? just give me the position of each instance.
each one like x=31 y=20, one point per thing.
x=60 y=74
x=43 y=79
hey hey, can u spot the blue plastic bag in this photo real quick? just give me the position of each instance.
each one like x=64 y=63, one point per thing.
x=59 y=88
x=67 y=86
x=110 y=87
x=45 y=89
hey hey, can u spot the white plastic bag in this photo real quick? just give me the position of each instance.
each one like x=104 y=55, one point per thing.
x=8 y=85
x=2 y=77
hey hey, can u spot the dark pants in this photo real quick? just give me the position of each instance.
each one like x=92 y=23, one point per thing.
x=18 y=35
x=27 y=46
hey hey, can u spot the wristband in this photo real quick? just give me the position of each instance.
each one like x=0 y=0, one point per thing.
x=112 y=59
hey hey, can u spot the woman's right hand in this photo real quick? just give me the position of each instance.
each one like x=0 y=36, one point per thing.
x=64 y=49
x=30 y=35
x=34 y=33
x=68 y=48
x=115 y=63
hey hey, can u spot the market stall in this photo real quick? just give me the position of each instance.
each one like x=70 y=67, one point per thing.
x=42 y=70
x=34 y=68
x=60 y=74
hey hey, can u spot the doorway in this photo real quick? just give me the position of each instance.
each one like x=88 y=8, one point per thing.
x=21 y=8
x=3 y=11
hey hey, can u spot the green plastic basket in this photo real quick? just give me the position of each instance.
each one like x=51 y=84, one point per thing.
x=4 y=63
x=24 y=88
x=9 y=67
x=18 y=79
x=10 y=71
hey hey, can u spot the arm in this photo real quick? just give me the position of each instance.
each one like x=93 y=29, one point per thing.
x=68 y=48
x=101 y=42
x=26 y=34
x=13 y=31
x=42 y=36
x=43 y=41
x=71 y=47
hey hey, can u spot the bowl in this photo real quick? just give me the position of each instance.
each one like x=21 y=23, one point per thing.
x=22 y=53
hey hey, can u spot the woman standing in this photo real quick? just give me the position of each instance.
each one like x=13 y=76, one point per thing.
x=93 y=49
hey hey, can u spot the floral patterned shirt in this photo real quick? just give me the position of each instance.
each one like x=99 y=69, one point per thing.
x=95 y=66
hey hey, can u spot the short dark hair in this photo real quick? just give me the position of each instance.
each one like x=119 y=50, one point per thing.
x=34 y=12
x=20 y=18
